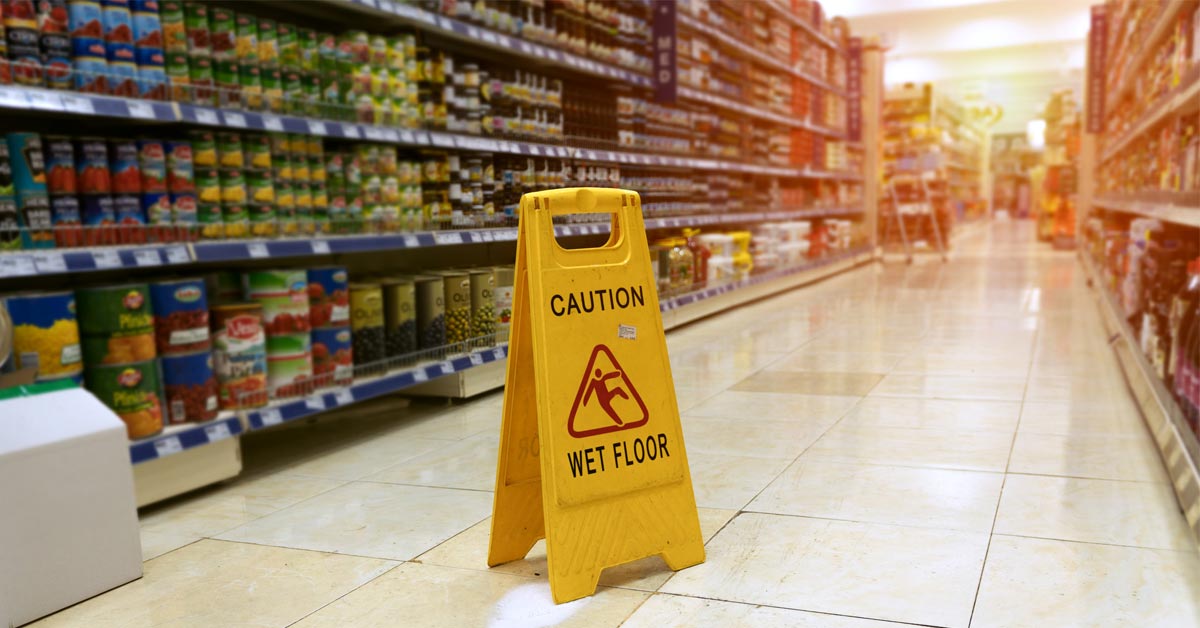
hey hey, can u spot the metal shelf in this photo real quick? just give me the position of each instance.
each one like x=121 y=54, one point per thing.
x=1166 y=212
x=59 y=262
x=1175 y=441
x=1183 y=99
x=1165 y=20
x=176 y=439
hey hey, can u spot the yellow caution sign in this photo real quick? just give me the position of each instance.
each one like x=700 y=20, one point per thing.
x=591 y=450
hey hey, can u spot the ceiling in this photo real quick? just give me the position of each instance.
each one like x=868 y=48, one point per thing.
x=1012 y=52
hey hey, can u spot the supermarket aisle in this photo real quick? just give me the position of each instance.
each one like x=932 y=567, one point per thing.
x=937 y=445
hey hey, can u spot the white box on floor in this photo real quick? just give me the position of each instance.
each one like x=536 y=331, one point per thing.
x=68 y=524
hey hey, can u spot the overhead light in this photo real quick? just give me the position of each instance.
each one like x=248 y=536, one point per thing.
x=1035 y=132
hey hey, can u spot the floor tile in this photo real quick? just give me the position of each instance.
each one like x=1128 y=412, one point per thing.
x=943 y=414
x=893 y=573
x=709 y=378
x=362 y=458
x=838 y=362
x=468 y=550
x=1071 y=418
x=934 y=498
x=755 y=438
x=217 y=509
x=810 y=383
x=730 y=482
x=467 y=464
x=155 y=544
x=1141 y=514
x=951 y=387
x=946 y=449
x=1038 y=582
x=677 y=611
x=823 y=410
x=428 y=596
x=214 y=583
x=1089 y=456
x=370 y=519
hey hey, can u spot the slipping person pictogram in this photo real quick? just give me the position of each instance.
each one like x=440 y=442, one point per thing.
x=618 y=406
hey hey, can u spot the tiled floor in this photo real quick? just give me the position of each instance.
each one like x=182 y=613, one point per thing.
x=935 y=445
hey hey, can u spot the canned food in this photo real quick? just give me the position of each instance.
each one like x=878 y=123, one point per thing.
x=400 y=316
x=208 y=185
x=431 y=312
x=147 y=29
x=195 y=22
x=174 y=31
x=91 y=72
x=268 y=44
x=200 y=80
x=60 y=165
x=129 y=211
x=236 y=219
x=239 y=355
x=179 y=76
x=65 y=217
x=222 y=33
x=98 y=211
x=156 y=207
x=126 y=176
x=180 y=316
x=184 y=208
x=332 y=356
x=118 y=23
x=262 y=219
x=91 y=166
x=233 y=185
x=503 y=297
x=45 y=333
x=284 y=298
x=132 y=392
x=211 y=219
x=366 y=320
x=181 y=175
x=55 y=42
x=289 y=364
x=230 y=150
x=10 y=224
x=226 y=77
x=483 y=304
x=246 y=43
x=289 y=46
x=457 y=294
x=257 y=151
x=85 y=19
x=190 y=387
x=250 y=80
x=122 y=69
x=328 y=297
x=116 y=324
x=153 y=162
x=151 y=81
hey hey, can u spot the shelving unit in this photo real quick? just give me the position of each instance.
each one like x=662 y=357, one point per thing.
x=1140 y=214
x=822 y=181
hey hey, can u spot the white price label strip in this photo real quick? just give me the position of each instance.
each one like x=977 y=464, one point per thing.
x=168 y=446
x=207 y=116
x=178 y=255
x=270 y=416
x=420 y=375
x=140 y=109
x=350 y=130
x=257 y=250
x=411 y=241
x=498 y=353
x=476 y=359
x=147 y=257
x=315 y=402
x=50 y=262
x=78 y=104
x=106 y=259
x=235 y=119
x=12 y=97
x=450 y=237
x=272 y=122
x=16 y=266
x=316 y=127
x=447 y=367
x=320 y=247
x=45 y=101
x=217 y=432
x=344 y=396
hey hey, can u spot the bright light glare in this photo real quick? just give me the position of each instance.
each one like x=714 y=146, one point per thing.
x=1035 y=132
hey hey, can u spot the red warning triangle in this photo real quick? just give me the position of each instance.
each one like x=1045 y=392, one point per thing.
x=607 y=400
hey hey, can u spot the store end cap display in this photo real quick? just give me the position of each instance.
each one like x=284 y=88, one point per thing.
x=601 y=472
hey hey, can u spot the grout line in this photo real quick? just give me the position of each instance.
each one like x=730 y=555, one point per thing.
x=1189 y=551
x=794 y=609
x=339 y=598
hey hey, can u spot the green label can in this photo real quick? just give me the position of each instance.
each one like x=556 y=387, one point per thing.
x=400 y=316
x=132 y=391
x=211 y=220
x=123 y=309
x=268 y=44
x=483 y=303
x=237 y=224
x=456 y=287
x=247 y=39
x=284 y=298
x=289 y=364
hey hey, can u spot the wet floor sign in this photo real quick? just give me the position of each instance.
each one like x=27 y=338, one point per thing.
x=591 y=450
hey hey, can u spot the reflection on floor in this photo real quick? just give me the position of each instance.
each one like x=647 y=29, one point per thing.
x=934 y=445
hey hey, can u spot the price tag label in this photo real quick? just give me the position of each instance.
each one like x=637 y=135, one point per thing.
x=142 y=110
x=78 y=104
x=271 y=416
x=13 y=97
x=316 y=127
x=410 y=241
x=147 y=257
x=498 y=353
x=472 y=32
x=46 y=101
x=257 y=250
x=206 y=116
x=490 y=38
x=476 y=359
x=106 y=259
x=390 y=135
x=315 y=402
x=16 y=266
x=486 y=236
x=420 y=375
x=446 y=367
x=50 y=262
x=217 y=432
x=344 y=396
x=167 y=446
x=272 y=122
x=350 y=130
x=320 y=247
x=448 y=237
x=374 y=133
x=235 y=119
x=407 y=137
x=178 y=255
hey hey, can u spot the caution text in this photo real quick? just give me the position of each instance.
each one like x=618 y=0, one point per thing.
x=600 y=300
x=617 y=455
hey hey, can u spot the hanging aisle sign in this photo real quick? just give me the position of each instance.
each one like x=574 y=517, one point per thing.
x=591 y=449
x=1097 y=69
x=854 y=53
x=662 y=31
